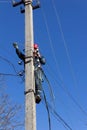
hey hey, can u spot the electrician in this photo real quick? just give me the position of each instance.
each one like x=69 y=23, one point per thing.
x=38 y=61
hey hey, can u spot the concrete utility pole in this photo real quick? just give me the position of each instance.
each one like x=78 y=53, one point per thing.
x=30 y=109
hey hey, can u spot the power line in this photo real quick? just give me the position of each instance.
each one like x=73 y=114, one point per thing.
x=52 y=48
x=59 y=118
x=9 y=62
x=63 y=86
x=7 y=52
x=49 y=119
x=53 y=52
x=50 y=87
x=64 y=41
x=55 y=114
x=8 y=74
x=20 y=74
x=5 y=1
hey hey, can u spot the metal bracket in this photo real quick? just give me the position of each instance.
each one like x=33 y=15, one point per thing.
x=14 y=3
x=29 y=91
x=17 y=3
x=34 y=7
x=21 y=2
x=28 y=61
x=26 y=57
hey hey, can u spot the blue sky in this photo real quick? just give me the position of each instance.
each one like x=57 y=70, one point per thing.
x=60 y=29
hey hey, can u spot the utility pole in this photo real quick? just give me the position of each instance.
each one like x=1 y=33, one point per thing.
x=30 y=107
x=30 y=111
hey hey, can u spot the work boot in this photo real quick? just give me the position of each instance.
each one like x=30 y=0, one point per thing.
x=38 y=98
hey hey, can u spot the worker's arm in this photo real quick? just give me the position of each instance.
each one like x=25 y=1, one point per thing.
x=19 y=53
x=42 y=60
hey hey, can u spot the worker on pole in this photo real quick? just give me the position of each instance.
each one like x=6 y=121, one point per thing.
x=38 y=62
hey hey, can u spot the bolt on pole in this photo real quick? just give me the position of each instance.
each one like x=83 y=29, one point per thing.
x=30 y=108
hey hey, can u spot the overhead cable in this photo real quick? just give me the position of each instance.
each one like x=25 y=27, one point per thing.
x=49 y=119
x=58 y=117
x=55 y=114
x=9 y=62
x=60 y=75
x=50 y=87
x=63 y=86
x=65 y=44
x=8 y=74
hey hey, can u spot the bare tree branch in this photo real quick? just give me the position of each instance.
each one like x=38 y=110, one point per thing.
x=9 y=112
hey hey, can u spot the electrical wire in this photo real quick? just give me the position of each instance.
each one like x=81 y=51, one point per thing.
x=58 y=117
x=5 y=1
x=49 y=119
x=64 y=42
x=63 y=86
x=49 y=86
x=56 y=64
x=9 y=62
x=8 y=74
x=20 y=74
x=55 y=114
x=51 y=45
x=65 y=45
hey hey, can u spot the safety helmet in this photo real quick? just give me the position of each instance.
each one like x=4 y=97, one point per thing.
x=35 y=46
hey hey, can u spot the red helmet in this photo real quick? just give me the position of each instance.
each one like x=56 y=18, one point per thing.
x=35 y=46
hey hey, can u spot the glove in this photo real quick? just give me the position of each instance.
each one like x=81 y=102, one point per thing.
x=15 y=45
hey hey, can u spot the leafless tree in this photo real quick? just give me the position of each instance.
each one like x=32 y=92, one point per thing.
x=10 y=117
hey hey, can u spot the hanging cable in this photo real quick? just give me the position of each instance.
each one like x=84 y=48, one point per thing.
x=20 y=74
x=50 y=88
x=47 y=109
x=70 y=95
x=6 y=60
x=58 y=117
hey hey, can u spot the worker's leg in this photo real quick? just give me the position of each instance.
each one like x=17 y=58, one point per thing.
x=38 y=85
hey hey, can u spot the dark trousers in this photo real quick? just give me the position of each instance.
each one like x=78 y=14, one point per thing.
x=38 y=81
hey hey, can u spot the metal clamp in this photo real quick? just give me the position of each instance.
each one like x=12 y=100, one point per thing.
x=29 y=91
x=26 y=57
x=28 y=2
